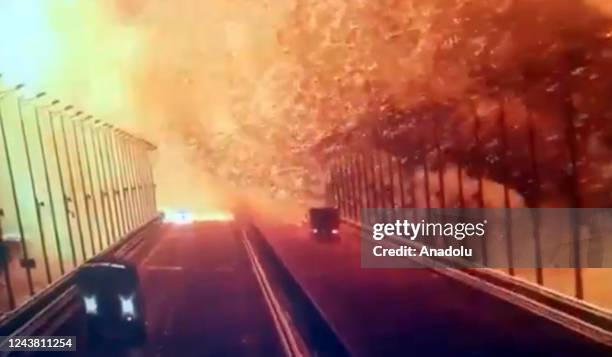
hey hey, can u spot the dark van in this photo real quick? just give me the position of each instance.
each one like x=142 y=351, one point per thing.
x=113 y=303
x=324 y=221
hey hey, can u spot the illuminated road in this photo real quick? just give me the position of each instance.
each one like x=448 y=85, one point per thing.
x=385 y=312
x=202 y=298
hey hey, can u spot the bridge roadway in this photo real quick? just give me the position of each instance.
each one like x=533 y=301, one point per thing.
x=201 y=295
x=203 y=299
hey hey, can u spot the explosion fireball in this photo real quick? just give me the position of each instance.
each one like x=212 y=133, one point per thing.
x=250 y=94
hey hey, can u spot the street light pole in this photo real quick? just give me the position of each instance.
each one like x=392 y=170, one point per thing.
x=37 y=203
x=98 y=171
x=128 y=179
x=137 y=180
x=84 y=193
x=66 y=199
x=112 y=165
x=133 y=180
x=49 y=190
x=113 y=147
x=7 y=154
x=152 y=187
x=104 y=182
x=145 y=179
x=75 y=199
x=88 y=164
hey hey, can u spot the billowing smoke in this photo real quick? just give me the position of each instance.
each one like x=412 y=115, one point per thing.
x=415 y=70
x=180 y=73
x=242 y=93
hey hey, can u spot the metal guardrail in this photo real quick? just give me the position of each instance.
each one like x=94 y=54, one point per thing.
x=312 y=324
x=42 y=310
x=422 y=177
x=71 y=186
x=577 y=315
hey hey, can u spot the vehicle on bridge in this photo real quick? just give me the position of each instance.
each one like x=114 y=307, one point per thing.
x=112 y=300
x=324 y=221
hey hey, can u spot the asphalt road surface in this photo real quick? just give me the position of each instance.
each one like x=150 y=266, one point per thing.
x=202 y=299
x=413 y=312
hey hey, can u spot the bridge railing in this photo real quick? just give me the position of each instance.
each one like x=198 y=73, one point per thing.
x=70 y=186
x=478 y=165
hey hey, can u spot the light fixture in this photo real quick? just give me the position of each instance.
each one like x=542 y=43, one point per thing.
x=127 y=306
x=91 y=305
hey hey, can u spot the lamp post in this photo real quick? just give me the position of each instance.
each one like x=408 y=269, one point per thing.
x=123 y=173
x=146 y=178
x=69 y=160
x=37 y=203
x=101 y=169
x=108 y=172
x=137 y=179
x=150 y=176
x=111 y=138
x=88 y=165
x=128 y=189
x=75 y=199
x=49 y=187
x=86 y=196
x=66 y=199
x=7 y=154
x=112 y=166
x=143 y=178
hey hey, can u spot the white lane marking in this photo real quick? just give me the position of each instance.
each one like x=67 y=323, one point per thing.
x=161 y=267
x=281 y=322
x=145 y=261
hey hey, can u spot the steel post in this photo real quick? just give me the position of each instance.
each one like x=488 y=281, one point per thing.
x=83 y=184
x=37 y=202
x=75 y=199
x=54 y=222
